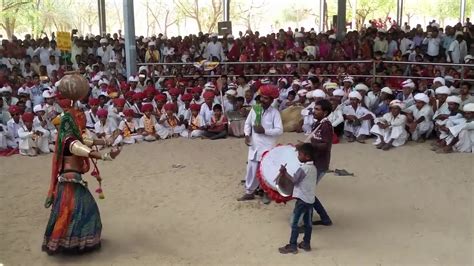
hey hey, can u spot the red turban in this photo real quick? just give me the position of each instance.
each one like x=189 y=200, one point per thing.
x=195 y=107
x=28 y=117
x=119 y=102
x=13 y=109
x=128 y=112
x=209 y=95
x=160 y=98
x=169 y=83
x=169 y=107
x=149 y=91
x=186 y=97
x=147 y=108
x=93 y=101
x=174 y=92
x=269 y=91
x=197 y=90
x=102 y=113
x=129 y=94
x=138 y=96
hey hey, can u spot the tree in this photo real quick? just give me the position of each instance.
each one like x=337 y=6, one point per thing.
x=162 y=10
x=9 y=11
x=203 y=15
x=380 y=8
x=296 y=15
x=86 y=15
x=247 y=12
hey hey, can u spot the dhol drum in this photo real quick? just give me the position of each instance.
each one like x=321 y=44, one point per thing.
x=278 y=189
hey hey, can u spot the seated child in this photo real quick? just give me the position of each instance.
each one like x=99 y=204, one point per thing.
x=32 y=140
x=237 y=118
x=169 y=125
x=304 y=181
x=218 y=126
x=129 y=128
x=147 y=123
x=196 y=125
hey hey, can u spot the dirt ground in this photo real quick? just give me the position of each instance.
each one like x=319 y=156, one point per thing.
x=405 y=206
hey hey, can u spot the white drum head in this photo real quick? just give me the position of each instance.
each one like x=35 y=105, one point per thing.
x=274 y=159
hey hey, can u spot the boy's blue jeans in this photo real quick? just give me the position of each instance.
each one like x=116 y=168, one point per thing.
x=306 y=210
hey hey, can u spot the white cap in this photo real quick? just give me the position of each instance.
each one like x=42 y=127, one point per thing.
x=387 y=90
x=305 y=84
x=299 y=35
x=272 y=71
x=319 y=94
x=338 y=92
x=151 y=44
x=408 y=84
x=348 y=79
x=361 y=87
x=6 y=88
x=213 y=35
x=468 y=107
x=284 y=80
x=22 y=91
x=47 y=94
x=397 y=103
x=143 y=68
x=103 y=81
x=355 y=94
x=142 y=76
x=231 y=92
x=103 y=40
x=449 y=78
x=302 y=92
x=296 y=82
x=133 y=79
x=443 y=90
x=230 y=36
x=232 y=86
x=209 y=86
x=454 y=99
x=421 y=97
x=38 y=108
x=440 y=80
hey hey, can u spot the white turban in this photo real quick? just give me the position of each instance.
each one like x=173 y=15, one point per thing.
x=338 y=92
x=421 y=97
x=305 y=84
x=330 y=85
x=103 y=40
x=230 y=36
x=361 y=87
x=22 y=91
x=449 y=79
x=468 y=107
x=443 y=90
x=232 y=86
x=209 y=86
x=47 y=94
x=319 y=94
x=265 y=81
x=387 y=90
x=132 y=79
x=7 y=89
x=440 y=80
x=355 y=94
x=454 y=99
x=296 y=82
x=299 y=35
x=151 y=44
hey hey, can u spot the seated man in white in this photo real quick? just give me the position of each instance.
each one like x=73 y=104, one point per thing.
x=129 y=129
x=419 y=118
x=33 y=141
x=357 y=119
x=390 y=128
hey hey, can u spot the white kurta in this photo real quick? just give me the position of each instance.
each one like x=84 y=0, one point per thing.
x=364 y=127
x=425 y=127
x=395 y=131
x=133 y=128
x=259 y=143
x=336 y=117
x=165 y=130
x=12 y=133
x=197 y=121
x=308 y=120
x=442 y=110
x=466 y=138
x=206 y=113
x=28 y=143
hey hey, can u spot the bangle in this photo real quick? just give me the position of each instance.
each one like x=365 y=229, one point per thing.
x=106 y=157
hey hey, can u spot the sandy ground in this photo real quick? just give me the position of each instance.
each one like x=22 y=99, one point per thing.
x=405 y=206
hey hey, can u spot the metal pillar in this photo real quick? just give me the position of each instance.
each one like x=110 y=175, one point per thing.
x=399 y=12
x=341 y=19
x=321 y=15
x=226 y=12
x=462 y=11
x=102 y=23
x=130 y=44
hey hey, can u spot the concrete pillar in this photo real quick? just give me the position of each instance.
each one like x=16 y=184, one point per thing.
x=321 y=15
x=130 y=43
x=341 y=19
x=400 y=12
x=462 y=11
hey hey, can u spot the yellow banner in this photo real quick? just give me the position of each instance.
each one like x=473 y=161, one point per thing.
x=63 y=40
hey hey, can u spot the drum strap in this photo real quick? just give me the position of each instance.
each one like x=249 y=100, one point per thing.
x=316 y=129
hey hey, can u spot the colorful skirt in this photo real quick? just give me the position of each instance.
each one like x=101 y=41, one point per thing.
x=74 y=224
